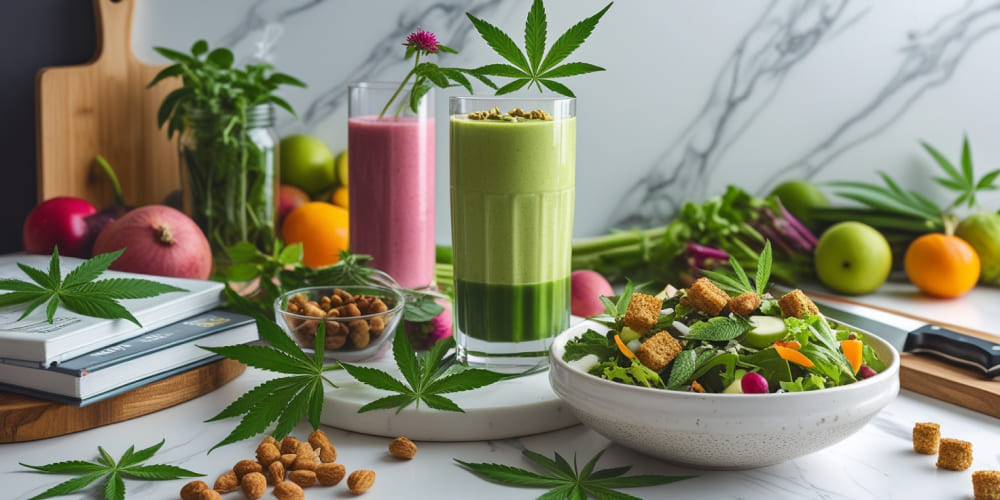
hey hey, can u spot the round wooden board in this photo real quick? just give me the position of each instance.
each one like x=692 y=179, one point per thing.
x=24 y=418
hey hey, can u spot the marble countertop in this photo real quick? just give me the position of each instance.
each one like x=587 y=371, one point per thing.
x=878 y=462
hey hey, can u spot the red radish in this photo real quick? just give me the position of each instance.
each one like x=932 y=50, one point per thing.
x=158 y=240
x=586 y=289
x=754 y=383
x=62 y=222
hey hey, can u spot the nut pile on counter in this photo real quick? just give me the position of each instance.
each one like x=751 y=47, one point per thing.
x=290 y=466
x=338 y=308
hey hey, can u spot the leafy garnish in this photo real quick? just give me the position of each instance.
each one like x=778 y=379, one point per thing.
x=565 y=481
x=963 y=182
x=426 y=378
x=285 y=399
x=114 y=489
x=590 y=342
x=737 y=281
x=536 y=69
x=720 y=328
x=78 y=292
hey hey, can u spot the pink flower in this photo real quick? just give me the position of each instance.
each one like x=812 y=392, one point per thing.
x=423 y=40
x=424 y=335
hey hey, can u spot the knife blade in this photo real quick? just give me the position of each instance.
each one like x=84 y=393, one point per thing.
x=910 y=335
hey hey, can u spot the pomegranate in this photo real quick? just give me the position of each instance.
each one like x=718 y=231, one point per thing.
x=158 y=240
x=62 y=222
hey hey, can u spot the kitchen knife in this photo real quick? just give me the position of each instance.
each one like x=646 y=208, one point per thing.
x=918 y=337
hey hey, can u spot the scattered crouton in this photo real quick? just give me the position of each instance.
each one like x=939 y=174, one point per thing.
x=986 y=484
x=657 y=352
x=744 y=303
x=796 y=304
x=642 y=313
x=926 y=437
x=704 y=296
x=954 y=454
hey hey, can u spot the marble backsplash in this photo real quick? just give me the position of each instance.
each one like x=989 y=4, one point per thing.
x=697 y=95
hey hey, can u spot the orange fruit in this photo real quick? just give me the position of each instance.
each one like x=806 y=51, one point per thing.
x=942 y=265
x=321 y=227
x=339 y=197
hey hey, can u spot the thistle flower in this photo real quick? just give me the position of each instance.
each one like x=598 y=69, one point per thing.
x=422 y=40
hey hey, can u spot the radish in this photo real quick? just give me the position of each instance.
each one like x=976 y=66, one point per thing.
x=586 y=289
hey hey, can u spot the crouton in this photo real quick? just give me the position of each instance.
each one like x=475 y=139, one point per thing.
x=926 y=437
x=744 y=303
x=657 y=352
x=642 y=313
x=704 y=296
x=954 y=454
x=986 y=484
x=796 y=304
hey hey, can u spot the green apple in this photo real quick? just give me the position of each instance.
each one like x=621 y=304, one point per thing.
x=800 y=197
x=306 y=163
x=765 y=331
x=853 y=258
x=340 y=167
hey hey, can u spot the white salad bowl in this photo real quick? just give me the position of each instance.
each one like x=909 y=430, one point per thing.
x=720 y=431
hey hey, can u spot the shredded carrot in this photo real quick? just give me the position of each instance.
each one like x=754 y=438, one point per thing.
x=791 y=344
x=794 y=356
x=697 y=387
x=852 y=349
x=624 y=348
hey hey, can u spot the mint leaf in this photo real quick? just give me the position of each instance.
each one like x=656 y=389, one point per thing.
x=114 y=488
x=718 y=329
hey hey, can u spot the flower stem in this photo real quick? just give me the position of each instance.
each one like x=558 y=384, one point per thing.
x=416 y=61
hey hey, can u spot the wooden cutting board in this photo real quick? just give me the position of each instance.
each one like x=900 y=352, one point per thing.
x=103 y=108
x=24 y=418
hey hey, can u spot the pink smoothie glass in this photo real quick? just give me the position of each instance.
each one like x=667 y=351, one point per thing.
x=391 y=181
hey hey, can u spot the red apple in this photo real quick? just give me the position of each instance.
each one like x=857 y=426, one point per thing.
x=62 y=222
x=289 y=198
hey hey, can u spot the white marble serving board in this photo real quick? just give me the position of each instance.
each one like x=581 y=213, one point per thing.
x=510 y=408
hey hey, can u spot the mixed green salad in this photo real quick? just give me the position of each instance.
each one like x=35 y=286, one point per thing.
x=724 y=334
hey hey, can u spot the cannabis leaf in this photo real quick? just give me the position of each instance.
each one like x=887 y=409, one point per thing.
x=426 y=376
x=536 y=69
x=737 y=281
x=963 y=182
x=285 y=399
x=565 y=481
x=114 y=489
x=78 y=292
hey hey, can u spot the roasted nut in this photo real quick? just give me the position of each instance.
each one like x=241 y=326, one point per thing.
x=305 y=462
x=267 y=453
x=209 y=494
x=376 y=326
x=329 y=474
x=246 y=466
x=402 y=447
x=303 y=478
x=349 y=310
x=287 y=459
x=289 y=491
x=359 y=333
x=275 y=472
x=305 y=449
x=191 y=490
x=360 y=481
x=270 y=440
x=227 y=482
x=344 y=296
x=254 y=484
x=318 y=439
x=289 y=444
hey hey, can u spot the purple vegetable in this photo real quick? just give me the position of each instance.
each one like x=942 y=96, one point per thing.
x=753 y=383
x=426 y=334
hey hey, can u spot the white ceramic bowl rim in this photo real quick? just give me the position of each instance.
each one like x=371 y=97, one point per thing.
x=396 y=294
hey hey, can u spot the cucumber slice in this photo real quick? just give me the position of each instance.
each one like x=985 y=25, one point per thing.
x=627 y=335
x=766 y=331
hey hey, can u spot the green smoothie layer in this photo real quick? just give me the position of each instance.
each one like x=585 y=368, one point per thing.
x=513 y=313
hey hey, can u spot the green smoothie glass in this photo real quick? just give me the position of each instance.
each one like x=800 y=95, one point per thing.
x=512 y=191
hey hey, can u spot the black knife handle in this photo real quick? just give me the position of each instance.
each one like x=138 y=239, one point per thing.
x=955 y=347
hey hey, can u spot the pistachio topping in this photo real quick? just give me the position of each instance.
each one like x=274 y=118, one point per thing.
x=514 y=115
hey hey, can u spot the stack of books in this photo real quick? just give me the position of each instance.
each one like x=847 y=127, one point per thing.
x=79 y=359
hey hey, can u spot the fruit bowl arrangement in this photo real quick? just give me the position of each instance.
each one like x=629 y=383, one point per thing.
x=359 y=320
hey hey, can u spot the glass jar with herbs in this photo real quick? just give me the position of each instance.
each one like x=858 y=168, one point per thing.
x=228 y=147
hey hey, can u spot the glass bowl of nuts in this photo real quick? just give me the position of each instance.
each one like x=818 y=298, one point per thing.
x=360 y=319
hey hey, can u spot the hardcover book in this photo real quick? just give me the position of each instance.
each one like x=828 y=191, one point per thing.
x=70 y=334
x=145 y=358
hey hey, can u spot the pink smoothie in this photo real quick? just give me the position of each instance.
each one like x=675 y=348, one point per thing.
x=391 y=183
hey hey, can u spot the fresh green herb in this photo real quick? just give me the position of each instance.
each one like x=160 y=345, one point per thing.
x=424 y=43
x=736 y=281
x=538 y=67
x=285 y=399
x=426 y=378
x=565 y=481
x=78 y=292
x=963 y=182
x=590 y=342
x=228 y=174
x=127 y=466
x=721 y=328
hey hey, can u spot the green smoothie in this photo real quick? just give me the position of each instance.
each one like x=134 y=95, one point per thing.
x=512 y=195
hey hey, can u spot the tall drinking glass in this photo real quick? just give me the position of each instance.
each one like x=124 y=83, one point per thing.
x=512 y=189
x=391 y=181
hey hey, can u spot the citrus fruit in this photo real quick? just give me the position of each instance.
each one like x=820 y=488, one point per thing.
x=852 y=257
x=942 y=265
x=321 y=227
x=799 y=197
x=306 y=163
x=339 y=197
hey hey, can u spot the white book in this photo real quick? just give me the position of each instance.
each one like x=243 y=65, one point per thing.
x=139 y=359
x=70 y=334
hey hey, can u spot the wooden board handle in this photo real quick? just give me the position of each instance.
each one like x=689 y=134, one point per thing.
x=114 y=31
